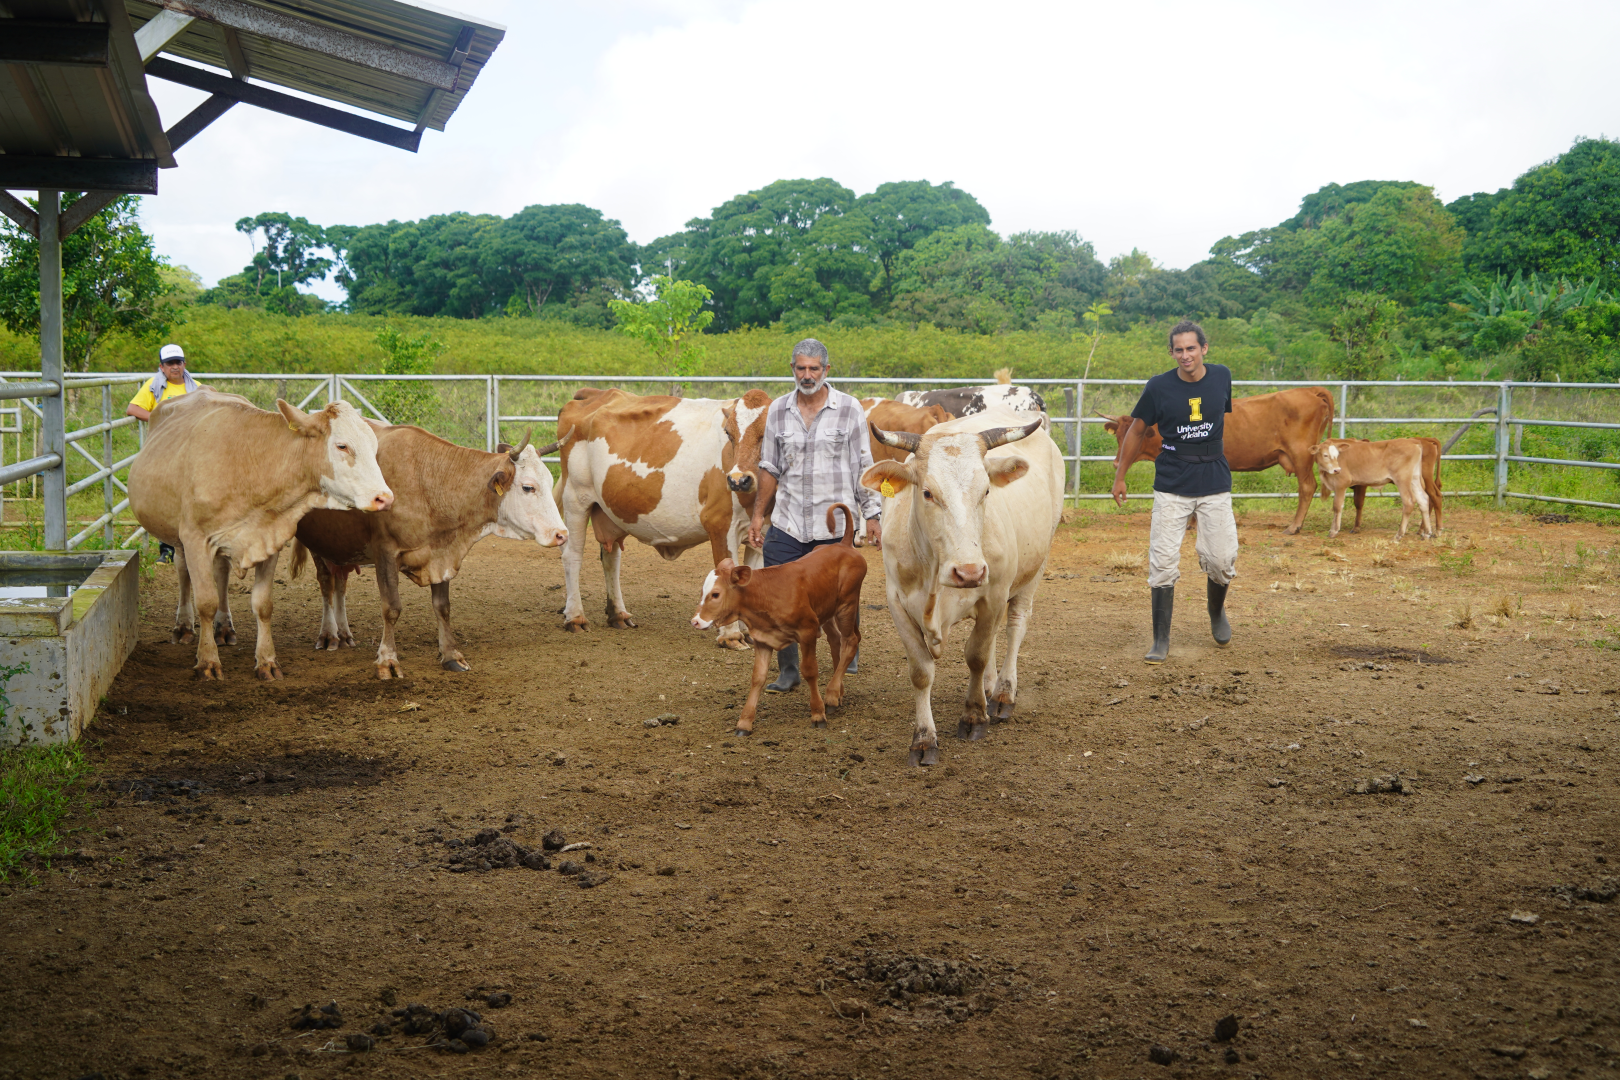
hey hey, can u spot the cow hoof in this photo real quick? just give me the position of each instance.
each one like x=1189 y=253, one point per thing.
x=1001 y=710
x=1291 y=530
x=269 y=671
x=979 y=731
x=925 y=755
x=455 y=665
x=963 y=729
x=622 y=622
x=744 y=732
x=224 y=637
x=833 y=701
x=182 y=637
x=209 y=669
x=733 y=643
x=818 y=721
x=576 y=626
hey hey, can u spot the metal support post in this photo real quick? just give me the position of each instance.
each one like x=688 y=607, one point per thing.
x=1079 y=430
x=1344 y=405
x=494 y=412
x=1504 y=407
x=107 y=488
x=54 y=480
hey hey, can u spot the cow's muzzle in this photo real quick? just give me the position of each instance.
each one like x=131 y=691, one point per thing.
x=380 y=502
x=743 y=483
x=968 y=575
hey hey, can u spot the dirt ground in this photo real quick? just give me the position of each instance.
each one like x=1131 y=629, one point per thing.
x=1139 y=854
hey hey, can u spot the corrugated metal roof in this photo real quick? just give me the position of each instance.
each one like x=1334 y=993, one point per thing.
x=64 y=111
x=417 y=29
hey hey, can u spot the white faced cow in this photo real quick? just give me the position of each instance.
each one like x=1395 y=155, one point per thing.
x=227 y=484
x=671 y=472
x=967 y=524
x=446 y=499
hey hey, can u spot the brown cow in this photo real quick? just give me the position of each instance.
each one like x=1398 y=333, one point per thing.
x=226 y=483
x=446 y=499
x=793 y=604
x=656 y=468
x=1431 y=483
x=1262 y=431
x=1346 y=463
x=891 y=415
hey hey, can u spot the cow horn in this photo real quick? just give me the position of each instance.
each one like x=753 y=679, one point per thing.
x=900 y=440
x=515 y=454
x=549 y=448
x=994 y=437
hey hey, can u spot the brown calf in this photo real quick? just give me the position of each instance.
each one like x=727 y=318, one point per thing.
x=1431 y=482
x=793 y=604
x=1347 y=463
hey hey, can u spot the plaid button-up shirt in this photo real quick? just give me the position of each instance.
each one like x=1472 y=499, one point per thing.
x=817 y=465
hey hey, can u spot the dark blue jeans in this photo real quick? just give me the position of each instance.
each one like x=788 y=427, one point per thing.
x=781 y=548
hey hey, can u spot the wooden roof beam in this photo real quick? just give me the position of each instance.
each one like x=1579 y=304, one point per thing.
x=159 y=30
x=64 y=44
x=316 y=38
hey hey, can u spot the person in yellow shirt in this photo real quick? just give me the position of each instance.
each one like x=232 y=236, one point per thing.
x=172 y=380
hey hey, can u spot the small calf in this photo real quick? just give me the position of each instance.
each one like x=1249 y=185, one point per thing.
x=1348 y=463
x=793 y=604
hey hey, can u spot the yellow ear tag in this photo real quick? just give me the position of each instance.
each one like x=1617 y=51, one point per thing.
x=499 y=490
x=887 y=489
x=292 y=427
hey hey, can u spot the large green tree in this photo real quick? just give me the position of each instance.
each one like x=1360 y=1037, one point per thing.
x=969 y=278
x=899 y=216
x=1561 y=218
x=111 y=280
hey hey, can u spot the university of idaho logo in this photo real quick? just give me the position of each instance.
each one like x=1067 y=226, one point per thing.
x=1195 y=407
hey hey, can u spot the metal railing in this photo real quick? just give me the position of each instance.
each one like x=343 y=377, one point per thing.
x=475 y=409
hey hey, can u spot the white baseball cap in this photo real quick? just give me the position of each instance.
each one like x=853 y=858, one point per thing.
x=171 y=352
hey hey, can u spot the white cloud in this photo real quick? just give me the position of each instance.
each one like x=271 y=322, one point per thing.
x=1162 y=125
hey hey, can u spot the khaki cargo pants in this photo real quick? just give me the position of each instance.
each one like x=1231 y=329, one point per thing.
x=1217 y=537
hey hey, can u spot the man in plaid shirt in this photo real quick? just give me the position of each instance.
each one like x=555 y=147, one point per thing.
x=813 y=455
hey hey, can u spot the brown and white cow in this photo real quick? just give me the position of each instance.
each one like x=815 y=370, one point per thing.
x=446 y=499
x=1262 y=431
x=227 y=483
x=1347 y=463
x=671 y=472
x=891 y=415
x=968 y=521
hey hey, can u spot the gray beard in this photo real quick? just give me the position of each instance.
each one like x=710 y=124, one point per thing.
x=814 y=390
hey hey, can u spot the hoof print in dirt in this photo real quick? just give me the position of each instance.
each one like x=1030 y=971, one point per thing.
x=1385 y=785
x=1161 y=1055
x=589 y=879
x=360 y=1043
x=554 y=841
x=1226 y=1028
x=310 y=1018
x=1603 y=891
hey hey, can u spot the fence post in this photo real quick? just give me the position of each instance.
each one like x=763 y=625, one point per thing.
x=490 y=423
x=107 y=487
x=1504 y=407
x=1079 y=430
x=1344 y=405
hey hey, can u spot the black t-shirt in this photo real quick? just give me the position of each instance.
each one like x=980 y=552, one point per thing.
x=1191 y=418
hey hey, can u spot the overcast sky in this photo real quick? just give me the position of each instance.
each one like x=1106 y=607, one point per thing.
x=1159 y=125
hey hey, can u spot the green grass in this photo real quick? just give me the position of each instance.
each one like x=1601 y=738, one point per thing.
x=38 y=786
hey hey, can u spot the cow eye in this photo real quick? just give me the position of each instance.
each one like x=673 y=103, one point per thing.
x=344 y=447
x=528 y=489
x=929 y=495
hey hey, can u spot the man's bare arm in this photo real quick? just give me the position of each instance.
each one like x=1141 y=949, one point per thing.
x=1128 y=450
x=764 y=501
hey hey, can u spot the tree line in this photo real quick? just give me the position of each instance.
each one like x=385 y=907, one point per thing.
x=1367 y=278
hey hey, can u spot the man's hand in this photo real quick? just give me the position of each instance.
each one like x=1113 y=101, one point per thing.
x=755 y=540
x=1119 y=492
x=874 y=533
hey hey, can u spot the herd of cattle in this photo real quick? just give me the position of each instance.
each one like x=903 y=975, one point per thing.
x=971 y=478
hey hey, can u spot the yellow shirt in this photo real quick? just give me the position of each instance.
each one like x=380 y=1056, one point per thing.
x=145 y=399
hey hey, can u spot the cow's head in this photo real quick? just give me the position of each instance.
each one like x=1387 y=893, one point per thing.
x=715 y=603
x=523 y=484
x=949 y=477
x=351 y=477
x=1327 y=457
x=1117 y=426
x=745 y=430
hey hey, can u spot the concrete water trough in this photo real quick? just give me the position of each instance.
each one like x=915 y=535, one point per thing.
x=72 y=618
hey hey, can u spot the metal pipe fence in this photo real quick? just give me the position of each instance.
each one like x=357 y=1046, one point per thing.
x=1565 y=420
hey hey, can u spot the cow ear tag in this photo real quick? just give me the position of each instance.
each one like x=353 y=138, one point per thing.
x=887 y=489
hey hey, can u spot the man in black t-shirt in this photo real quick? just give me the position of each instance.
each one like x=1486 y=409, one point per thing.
x=1189 y=404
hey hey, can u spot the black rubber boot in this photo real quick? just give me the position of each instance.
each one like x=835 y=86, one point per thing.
x=1218 y=626
x=1164 y=603
x=787 y=671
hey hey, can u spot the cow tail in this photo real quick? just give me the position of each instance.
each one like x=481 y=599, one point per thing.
x=1327 y=399
x=849 y=524
x=300 y=556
